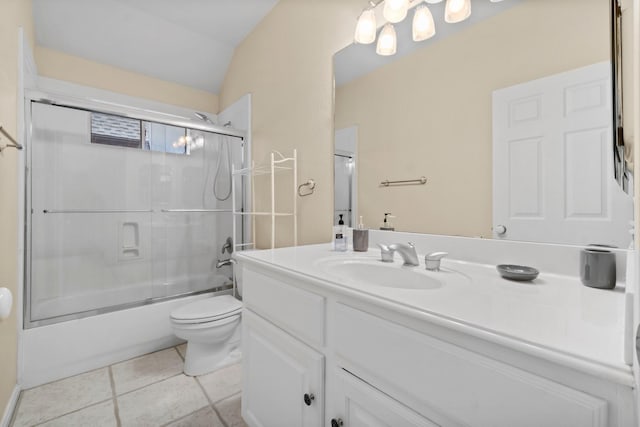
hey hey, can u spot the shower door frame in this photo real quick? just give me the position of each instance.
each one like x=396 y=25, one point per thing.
x=105 y=107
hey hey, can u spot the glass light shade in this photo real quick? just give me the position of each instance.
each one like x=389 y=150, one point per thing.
x=457 y=10
x=366 y=27
x=423 y=25
x=387 y=41
x=395 y=10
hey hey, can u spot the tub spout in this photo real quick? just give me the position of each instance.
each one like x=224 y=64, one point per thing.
x=222 y=263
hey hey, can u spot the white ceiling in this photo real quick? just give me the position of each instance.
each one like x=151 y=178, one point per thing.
x=190 y=42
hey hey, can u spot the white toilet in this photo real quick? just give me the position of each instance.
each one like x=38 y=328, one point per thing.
x=211 y=327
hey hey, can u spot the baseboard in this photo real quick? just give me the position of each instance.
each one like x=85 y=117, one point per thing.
x=11 y=406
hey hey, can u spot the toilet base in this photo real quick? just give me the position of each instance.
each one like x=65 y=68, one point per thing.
x=204 y=358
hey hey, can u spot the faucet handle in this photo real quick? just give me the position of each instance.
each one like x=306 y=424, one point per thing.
x=386 y=252
x=432 y=260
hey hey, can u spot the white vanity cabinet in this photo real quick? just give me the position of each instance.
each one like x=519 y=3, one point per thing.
x=283 y=376
x=284 y=379
x=370 y=363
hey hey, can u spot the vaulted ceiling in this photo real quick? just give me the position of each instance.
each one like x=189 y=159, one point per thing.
x=190 y=42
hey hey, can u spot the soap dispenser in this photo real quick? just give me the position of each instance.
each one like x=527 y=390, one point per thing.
x=339 y=236
x=386 y=224
x=360 y=238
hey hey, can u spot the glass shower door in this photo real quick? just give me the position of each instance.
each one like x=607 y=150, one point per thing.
x=189 y=222
x=123 y=212
x=90 y=218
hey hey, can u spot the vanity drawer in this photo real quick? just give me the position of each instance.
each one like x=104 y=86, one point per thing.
x=431 y=376
x=296 y=310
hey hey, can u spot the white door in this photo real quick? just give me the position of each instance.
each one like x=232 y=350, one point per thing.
x=283 y=378
x=553 y=162
x=357 y=404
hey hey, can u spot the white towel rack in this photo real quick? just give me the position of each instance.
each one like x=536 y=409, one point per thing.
x=278 y=163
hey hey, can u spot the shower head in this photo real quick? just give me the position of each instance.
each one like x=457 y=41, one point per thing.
x=203 y=117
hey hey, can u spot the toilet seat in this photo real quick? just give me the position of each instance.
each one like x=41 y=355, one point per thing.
x=207 y=310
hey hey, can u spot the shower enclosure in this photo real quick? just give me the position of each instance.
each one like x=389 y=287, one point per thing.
x=123 y=212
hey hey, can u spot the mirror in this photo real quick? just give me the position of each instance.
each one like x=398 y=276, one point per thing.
x=508 y=115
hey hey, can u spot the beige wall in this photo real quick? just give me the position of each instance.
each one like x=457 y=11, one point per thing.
x=15 y=13
x=412 y=122
x=61 y=66
x=286 y=63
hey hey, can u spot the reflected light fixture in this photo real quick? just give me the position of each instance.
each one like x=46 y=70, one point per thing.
x=423 y=26
x=457 y=10
x=387 y=41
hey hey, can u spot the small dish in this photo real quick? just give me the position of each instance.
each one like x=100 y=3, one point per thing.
x=517 y=272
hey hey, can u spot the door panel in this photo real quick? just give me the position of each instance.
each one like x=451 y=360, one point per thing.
x=281 y=370
x=553 y=166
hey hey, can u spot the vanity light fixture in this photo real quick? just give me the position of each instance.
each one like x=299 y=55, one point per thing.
x=457 y=10
x=395 y=11
x=366 y=27
x=387 y=41
x=423 y=25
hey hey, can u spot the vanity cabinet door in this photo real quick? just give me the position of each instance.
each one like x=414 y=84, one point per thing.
x=283 y=378
x=358 y=404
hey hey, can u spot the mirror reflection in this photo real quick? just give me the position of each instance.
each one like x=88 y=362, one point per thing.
x=508 y=115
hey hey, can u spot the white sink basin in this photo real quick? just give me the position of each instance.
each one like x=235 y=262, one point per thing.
x=378 y=273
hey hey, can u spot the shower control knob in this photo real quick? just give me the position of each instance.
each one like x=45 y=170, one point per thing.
x=308 y=398
x=500 y=230
x=336 y=422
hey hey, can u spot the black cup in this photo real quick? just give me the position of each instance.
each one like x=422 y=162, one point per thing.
x=598 y=267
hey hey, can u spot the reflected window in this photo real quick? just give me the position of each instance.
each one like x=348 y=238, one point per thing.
x=165 y=138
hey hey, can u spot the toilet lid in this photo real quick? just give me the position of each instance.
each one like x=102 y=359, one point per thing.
x=207 y=310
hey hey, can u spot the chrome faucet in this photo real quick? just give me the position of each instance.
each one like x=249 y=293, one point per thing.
x=406 y=251
x=222 y=263
x=432 y=260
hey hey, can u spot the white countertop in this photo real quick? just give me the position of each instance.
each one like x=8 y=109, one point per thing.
x=555 y=316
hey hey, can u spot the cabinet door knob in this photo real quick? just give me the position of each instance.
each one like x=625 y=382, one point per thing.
x=308 y=398
x=336 y=422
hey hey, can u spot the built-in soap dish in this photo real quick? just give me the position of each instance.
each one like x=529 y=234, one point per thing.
x=520 y=273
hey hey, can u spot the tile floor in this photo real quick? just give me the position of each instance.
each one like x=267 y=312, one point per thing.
x=150 y=390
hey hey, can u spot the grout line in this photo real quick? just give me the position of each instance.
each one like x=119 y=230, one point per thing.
x=69 y=413
x=222 y=420
x=114 y=396
x=150 y=384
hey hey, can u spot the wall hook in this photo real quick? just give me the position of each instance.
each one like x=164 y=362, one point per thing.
x=310 y=185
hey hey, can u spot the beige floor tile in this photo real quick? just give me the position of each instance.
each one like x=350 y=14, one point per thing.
x=229 y=410
x=205 y=417
x=100 y=415
x=147 y=369
x=161 y=402
x=222 y=383
x=182 y=349
x=61 y=397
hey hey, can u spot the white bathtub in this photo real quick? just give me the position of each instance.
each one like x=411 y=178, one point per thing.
x=63 y=349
